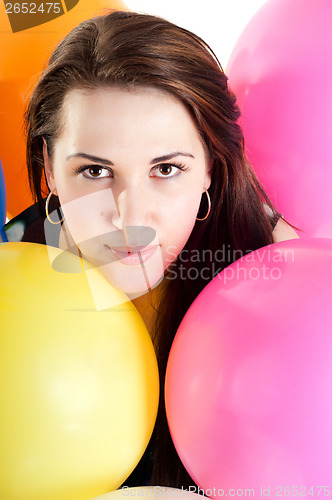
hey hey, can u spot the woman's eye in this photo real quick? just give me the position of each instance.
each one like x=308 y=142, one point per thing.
x=96 y=172
x=168 y=170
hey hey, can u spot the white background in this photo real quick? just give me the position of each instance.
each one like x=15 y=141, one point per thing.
x=218 y=22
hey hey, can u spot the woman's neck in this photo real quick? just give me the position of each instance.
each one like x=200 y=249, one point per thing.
x=147 y=306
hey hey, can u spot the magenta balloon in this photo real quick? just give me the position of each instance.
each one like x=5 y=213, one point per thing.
x=249 y=379
x=281 y=72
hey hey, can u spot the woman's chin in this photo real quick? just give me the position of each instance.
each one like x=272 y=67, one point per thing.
x=134 y=281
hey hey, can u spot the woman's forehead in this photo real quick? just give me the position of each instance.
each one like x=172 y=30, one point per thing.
x=132 y=100
x=126 y=117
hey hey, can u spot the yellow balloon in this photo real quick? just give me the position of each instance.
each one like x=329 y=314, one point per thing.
x=79 y=386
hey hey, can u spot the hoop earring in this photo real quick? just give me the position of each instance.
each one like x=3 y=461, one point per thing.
x=209 y=205
x=47 y=212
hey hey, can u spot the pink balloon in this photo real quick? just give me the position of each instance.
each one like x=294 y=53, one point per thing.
x=281 y=72
x=249 y=379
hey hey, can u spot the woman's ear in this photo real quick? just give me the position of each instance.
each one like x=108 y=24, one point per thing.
x=48 y=169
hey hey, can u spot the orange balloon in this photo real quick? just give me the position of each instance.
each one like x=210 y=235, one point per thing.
x=22 y=58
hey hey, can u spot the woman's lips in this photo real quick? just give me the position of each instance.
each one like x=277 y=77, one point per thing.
x=135 y=256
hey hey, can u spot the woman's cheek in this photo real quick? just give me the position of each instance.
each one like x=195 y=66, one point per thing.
x=89 y=216
x=179 y=234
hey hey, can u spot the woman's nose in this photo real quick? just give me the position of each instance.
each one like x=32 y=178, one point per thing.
x=134 y=218
x=133 y=209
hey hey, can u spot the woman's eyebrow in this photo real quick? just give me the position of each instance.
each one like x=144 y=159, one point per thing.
x=170 y=156
x=108 y=162
x=89 y=157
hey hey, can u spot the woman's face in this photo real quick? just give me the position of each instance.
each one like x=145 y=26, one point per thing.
x=130 y=169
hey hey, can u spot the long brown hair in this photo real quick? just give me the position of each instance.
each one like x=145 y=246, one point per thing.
x=126 y=49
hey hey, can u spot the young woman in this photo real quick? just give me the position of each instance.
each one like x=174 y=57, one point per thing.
x=135 y=129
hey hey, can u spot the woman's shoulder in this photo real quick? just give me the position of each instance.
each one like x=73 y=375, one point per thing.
x=283 y=231
x=31 y=226
x=27 y=226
